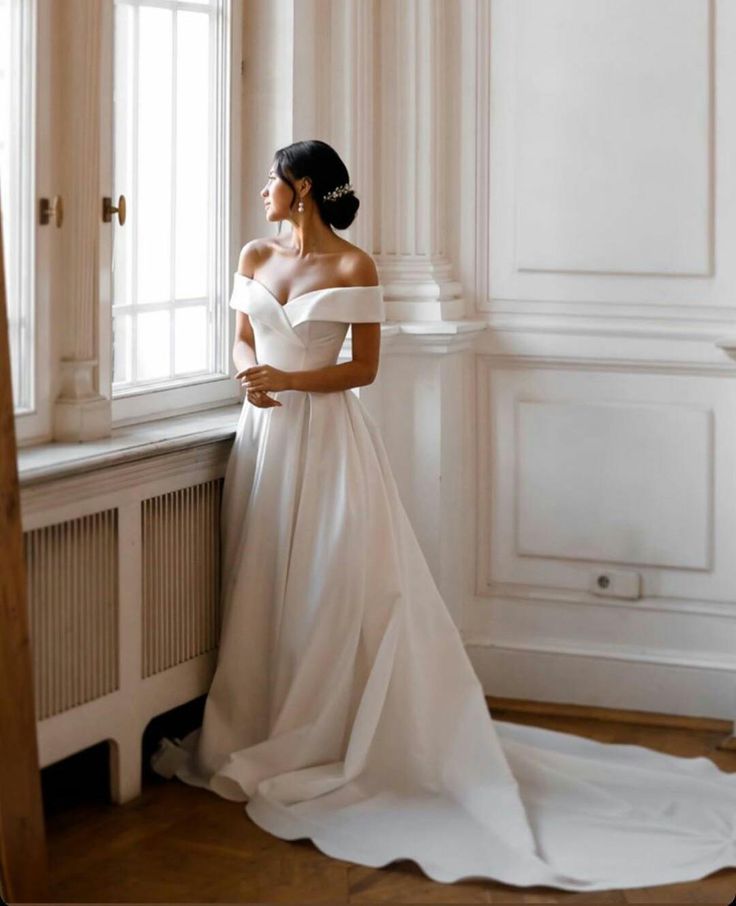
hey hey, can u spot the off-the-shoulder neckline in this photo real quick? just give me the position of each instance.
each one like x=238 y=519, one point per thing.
x=312 y=292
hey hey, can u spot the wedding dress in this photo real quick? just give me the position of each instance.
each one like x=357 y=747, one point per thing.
x=344 y=707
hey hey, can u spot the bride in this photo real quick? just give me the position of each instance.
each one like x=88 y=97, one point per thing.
x=344 y=708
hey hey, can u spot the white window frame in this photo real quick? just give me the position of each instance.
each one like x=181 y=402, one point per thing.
x=33 y=423
x=145 y=404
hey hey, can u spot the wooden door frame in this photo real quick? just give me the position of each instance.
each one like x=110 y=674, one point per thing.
x=23 y=866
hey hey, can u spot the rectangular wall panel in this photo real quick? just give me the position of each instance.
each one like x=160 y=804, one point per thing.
x=608 y=143
x=614 y=482
x=613 y=136
x=588 y=469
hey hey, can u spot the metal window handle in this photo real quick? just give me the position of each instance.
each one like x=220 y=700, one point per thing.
x=51 y=210
x=108 y=209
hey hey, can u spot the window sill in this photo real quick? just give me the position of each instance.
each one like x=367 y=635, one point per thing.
x=51 y=461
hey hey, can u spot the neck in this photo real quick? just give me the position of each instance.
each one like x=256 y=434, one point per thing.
x=310 y=234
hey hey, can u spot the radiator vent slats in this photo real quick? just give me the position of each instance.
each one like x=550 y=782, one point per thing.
x=181 y=576
x=72 y=580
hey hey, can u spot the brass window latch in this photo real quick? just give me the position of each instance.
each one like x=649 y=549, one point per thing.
x=51 y=210
x=108 y=209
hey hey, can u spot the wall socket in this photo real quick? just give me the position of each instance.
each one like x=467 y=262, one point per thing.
x=615 y=584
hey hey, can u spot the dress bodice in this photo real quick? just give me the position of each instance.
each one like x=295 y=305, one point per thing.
x=308 y=331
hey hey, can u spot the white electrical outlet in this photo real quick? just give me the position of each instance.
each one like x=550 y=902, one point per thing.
x=615 y=583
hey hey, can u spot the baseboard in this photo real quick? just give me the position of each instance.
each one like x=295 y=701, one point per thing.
x=609 y=715
x=600 y=688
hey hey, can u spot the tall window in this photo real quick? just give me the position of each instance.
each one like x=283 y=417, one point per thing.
x=171 y=154
x=17 y=118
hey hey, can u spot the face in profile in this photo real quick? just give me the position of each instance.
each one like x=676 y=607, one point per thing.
x=277 y=196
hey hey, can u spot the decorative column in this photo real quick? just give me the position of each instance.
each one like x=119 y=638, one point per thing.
x=384 y=101
x=80 y=411
x=347 y=103
x=411 y=176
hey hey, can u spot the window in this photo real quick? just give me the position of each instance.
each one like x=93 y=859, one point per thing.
x=159 y=126
x=17 y=189
x=171 y=161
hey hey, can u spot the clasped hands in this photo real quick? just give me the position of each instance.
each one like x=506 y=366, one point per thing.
x=258 y=379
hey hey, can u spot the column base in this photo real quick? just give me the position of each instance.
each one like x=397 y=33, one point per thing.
x=82 y=419
x=420 y=288
x=425 y=309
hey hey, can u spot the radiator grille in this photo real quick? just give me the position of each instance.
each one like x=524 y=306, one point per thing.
x=181 y=575
x=73 y=610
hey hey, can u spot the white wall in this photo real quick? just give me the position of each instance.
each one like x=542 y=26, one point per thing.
x=547 y=188
x=607 y=414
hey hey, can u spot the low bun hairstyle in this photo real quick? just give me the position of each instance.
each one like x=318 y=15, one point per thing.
x=324 y=167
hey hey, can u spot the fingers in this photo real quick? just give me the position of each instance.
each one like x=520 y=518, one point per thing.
x=251 y=385
x=261 y=399
x=251 y=374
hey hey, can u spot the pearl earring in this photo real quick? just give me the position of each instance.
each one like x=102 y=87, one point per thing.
x=300 y=206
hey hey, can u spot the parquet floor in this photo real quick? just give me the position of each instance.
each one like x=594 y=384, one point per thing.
x=179 y=844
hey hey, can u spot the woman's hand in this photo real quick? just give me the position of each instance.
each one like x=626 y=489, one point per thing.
x=261 y=399
x=264 y=377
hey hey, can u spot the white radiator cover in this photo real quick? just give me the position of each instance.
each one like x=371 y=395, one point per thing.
x=123 y=576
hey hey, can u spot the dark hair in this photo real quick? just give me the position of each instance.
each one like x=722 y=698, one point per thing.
x=324 y=167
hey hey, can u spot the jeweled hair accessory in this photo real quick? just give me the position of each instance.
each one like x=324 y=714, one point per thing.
x=338 y=192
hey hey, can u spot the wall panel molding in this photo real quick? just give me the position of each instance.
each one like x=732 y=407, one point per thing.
x=688 y=228
x=693 y=578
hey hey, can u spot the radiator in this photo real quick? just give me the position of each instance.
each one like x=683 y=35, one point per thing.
x=123 y=577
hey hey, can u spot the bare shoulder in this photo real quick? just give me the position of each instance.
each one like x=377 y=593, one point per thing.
x=358 y=268
x=253 y=254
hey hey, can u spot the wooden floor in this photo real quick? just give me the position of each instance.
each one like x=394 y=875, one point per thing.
x=179 y=844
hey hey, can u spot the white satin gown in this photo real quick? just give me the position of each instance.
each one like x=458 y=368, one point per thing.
x=344 y=707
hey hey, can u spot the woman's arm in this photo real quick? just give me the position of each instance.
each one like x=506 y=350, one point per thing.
x=244 y=345
x=360 y=371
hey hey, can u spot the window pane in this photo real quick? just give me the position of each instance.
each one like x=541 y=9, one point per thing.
x=154 y=157
x=123 y=350
x=171 y=146
x=16 y=189
x=193 y=129
x=191 y=339
x=152 y=345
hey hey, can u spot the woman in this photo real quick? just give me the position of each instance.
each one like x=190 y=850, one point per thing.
x=344 y=707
